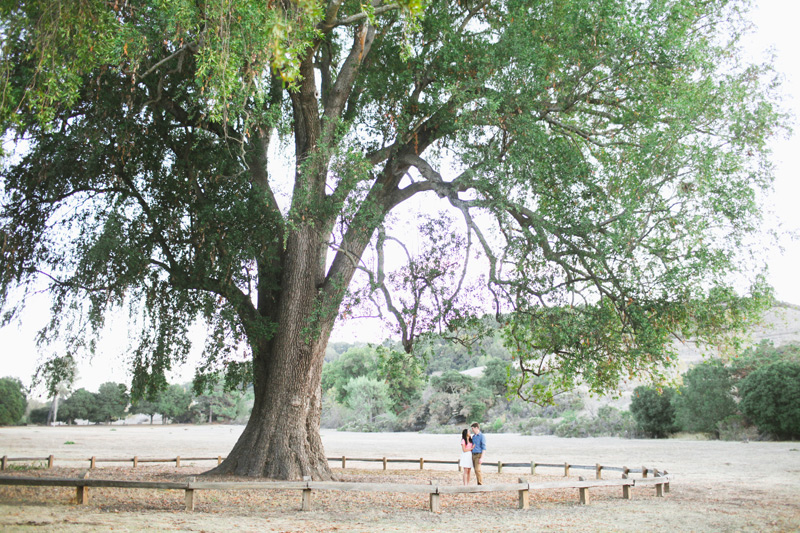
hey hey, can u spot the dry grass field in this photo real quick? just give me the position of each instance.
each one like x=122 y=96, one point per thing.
x=718 y=486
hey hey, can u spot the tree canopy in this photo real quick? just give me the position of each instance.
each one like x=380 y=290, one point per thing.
x=598 y=162
x=12 y=401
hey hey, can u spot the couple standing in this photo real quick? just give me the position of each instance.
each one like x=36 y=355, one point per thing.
x=472 y=448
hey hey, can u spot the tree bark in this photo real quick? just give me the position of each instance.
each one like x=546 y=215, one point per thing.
x=281 y=439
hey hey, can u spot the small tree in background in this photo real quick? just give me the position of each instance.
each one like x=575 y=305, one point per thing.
x=495 y=376
x=146 y=407
x=653 y=411
x=770 y=397
x=39 y=415
x=402 y=373
x=221 y=404
x=110 y=403
x=175 y=404
x=368 y=398
x=355 y=362
x=705 y=398
x=79 y=405
x=12 y=401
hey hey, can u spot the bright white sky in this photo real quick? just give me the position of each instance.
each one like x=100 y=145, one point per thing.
x=776 y=28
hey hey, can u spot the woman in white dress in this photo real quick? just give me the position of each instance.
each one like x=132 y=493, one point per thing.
x=465 y=462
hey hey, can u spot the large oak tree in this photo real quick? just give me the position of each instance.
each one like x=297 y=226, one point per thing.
x=599 y=160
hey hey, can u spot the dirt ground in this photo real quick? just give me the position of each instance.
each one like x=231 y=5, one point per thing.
x=718 y=486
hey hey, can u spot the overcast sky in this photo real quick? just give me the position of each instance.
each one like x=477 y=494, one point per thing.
x=776 y=28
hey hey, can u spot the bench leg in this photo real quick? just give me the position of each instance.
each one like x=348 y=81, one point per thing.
x=82 y=495
x=626 y=492
x=306 y=500
x=189 y=499
x=660 y=490
x=435 y=504
x=584 y=493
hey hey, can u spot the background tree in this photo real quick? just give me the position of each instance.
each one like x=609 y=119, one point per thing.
x=495 y=374
x=602 y=157
x=355 y=362
x=222 y=404
x=706 y=397
x=770 y=397
x=78 y=405
x=175 y=404
x=368 y=398
x=39 y=416
x=12 y=401
x=761 y=355
x=403 y=375
x=110 y=403
x=653 y=411
x=146 y=407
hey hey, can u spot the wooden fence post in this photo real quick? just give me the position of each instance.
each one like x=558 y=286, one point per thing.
x=625 y=472
x=533 y=468
x=178 y=462
x=92 y=463
x=50 y=461
x=436 y=505
x=421 y=463
x=135 y=461
x=219 y=460
x=566 y=469
x=5 y=462
x=644 y=471
x=499 y=467
x=344 y=462
x=189 y=499
x=524 y=496
x=384 y=463
x=598 y=469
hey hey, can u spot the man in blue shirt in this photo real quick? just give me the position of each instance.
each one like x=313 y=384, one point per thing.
x=479 y=446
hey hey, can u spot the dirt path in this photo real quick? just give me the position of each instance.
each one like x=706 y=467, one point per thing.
x=719 y=486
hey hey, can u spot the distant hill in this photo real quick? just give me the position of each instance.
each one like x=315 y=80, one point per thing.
x=780 y=325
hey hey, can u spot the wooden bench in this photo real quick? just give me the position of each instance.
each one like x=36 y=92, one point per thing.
x=82 y=486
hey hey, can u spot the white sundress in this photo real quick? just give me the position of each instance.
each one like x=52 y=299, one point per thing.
x=466 y=459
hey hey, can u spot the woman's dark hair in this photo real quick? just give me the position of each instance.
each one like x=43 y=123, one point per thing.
x=465 y=436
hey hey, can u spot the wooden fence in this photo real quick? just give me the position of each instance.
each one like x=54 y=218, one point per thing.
x=533 y=465
x=523 y=488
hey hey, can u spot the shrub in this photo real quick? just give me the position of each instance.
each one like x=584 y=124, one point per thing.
x=653 y=411
x=736 y=428
x=770 y=397
x=609 y=422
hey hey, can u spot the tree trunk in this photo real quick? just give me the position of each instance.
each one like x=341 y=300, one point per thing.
x=52 y=416
x=282 y=439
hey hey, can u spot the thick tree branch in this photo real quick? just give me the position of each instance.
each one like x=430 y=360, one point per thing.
x=347 y=21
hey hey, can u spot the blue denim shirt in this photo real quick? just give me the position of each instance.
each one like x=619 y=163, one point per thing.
x=479 y=443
